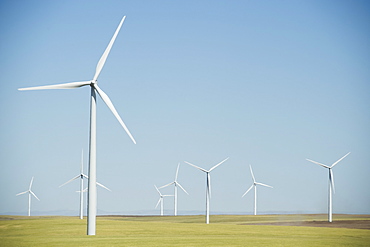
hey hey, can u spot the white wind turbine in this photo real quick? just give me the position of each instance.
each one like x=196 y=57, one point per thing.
x=81 y=176
x=161 y=196
x=92 y=198
x=331 y=185
x=255 y=183
x=208 y=190
x=30 y=192
x=176 y=184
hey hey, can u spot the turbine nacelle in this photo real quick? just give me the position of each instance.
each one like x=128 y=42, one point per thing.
x=82 y=176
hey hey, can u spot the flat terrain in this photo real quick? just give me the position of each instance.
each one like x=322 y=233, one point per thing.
x=353 y=222
x=224 y=230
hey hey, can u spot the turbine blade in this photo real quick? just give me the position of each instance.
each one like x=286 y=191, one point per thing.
x=182 y=188
x=248 y=190
x=196 y=166
x=69 y=85
x=70 y=180
x=219 y=164
x=254 y=180
x=158 y=190
x=22 y=193
x=166 y=185
x=31 y=184
x=158 y=202
x=34 y=195
x=102 y=186
x=103 y=58
x=85 y=176
x=168 y=195
x=110 y=105
x=264 y=185
x=331 y=180
x=177 y=171
x=339 y=160
x=318 y=163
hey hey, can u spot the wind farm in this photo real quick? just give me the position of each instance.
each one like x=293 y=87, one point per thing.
x=266 y=84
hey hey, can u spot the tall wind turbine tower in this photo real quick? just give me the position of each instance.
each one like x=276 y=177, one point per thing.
x=255 y=183
x=30 y=192
x=208 y=190
x=331 y=184
x=176 y=184
x=92 y=198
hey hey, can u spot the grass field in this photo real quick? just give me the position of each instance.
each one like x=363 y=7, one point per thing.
x=224 y=230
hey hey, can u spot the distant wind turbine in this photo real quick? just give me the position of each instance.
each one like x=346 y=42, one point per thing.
x=208 y=190
x=176 y=184
x=331 y=184
x=92 y=199
x=161 y=196
x=30 y=192
x=81 y=191
x=255 y=183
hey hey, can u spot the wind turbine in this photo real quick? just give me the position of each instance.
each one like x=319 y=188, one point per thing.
x=92 y=199
x=208 y=190
x=176 y=184
x=81 y=191
x=331 y=185
x=255 y=183
x=160 y=199
x=30 y=192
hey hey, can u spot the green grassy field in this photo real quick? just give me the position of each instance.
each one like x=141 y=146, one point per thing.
x=224 y=230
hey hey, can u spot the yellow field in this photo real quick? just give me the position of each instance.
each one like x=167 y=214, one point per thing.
x=224 y=230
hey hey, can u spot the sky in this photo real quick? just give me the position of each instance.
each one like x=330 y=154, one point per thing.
x=265 y=83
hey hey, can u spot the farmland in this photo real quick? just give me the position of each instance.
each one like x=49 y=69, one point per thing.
x=224 y=230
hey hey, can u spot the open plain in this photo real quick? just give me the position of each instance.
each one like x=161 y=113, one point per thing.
x=224 y=230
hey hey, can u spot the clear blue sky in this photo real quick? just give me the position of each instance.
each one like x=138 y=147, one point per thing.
x=266 y=83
